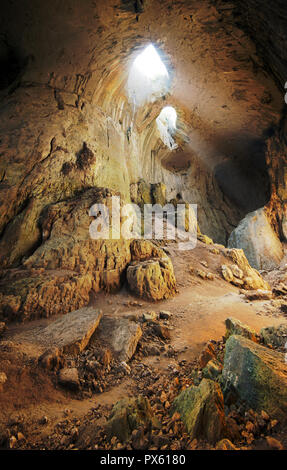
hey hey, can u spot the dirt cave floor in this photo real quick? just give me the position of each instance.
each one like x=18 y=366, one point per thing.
x=37 y=413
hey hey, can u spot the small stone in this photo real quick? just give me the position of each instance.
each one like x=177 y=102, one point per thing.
x=204 y=239
x=200 y=273
x=12 y=442
x=3 y=378
x=69 y=378
x=162 y=331
x=225 y=444
x=43 y=420
x=149 y=316
x=207 y=354
x=273 y=443
x=125 y=367
x=2 y=327
x=52 y=359
x=212 y=370
x=236 y=271
x=165 y=315
x=265 y=416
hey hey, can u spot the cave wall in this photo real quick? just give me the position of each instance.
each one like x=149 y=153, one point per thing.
x=265 y=22
x=66 y=124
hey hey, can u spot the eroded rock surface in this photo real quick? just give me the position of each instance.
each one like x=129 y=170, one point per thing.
x=70 y=333
x=275 y=335
x=202 y=410
x=120 y=335
x=127 y=415
x=153 y=279
x=236 y=327
x=258 y=240
x=256 y=374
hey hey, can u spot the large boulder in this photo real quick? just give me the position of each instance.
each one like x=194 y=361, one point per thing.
x=257 y=238
x=275 y=335
x=129 y=414
x=202 y=410
x=256 y=374
x=153 y=279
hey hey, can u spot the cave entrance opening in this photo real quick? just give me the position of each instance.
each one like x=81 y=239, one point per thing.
x=148 y=78
x=166 y=124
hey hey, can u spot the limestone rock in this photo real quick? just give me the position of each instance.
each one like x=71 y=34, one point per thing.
x=207 y=354
x=256 y=237
x=2 y=327
x=120 y=335
x=227 y=273
x=3 y=378
x=232 y=274
x=52 y=359
x=129 y=414
x=60 y=274
x=235 y=327
x=142 y=250
x=149 y=317
x=275 y=335
x=162 y=331
x=31 y=293
x=251 y=278
x=165 y=315
x=69 y=378
x=69 y=334
x=159 y=193
x=153 y=279
x=212 y=370
x=72 y=332
x=273 y=443
x=68 y=244
x=148 y=193
x=256 y=374
x=202 y=410
x=225 y=444
x=258 y=294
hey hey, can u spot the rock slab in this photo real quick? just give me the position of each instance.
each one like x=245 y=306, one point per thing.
x=120 y=335
x=256 y=374
x=69 y=334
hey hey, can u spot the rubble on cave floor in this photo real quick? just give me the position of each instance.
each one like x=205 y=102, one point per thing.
x=149 y=355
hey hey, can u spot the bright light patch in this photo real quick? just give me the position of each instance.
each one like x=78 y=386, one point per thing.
x=150 y=64
x=148 y=77
x=166 y=124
